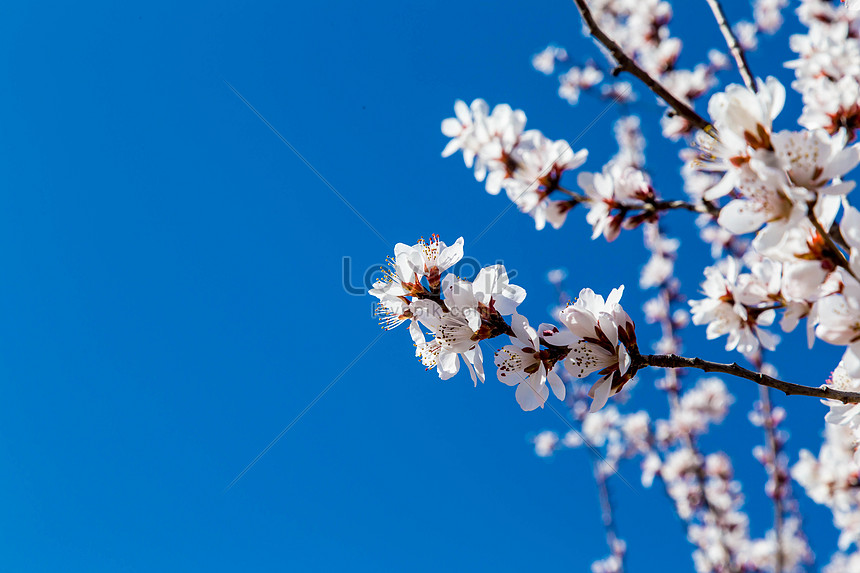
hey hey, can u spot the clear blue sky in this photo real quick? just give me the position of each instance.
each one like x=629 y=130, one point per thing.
x=171 y=293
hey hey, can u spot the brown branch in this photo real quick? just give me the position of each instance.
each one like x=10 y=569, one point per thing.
x=788 y=388
x=778 y=485
x=734 y=45
x=627 y=64
x=841 y=260
x=606 y=510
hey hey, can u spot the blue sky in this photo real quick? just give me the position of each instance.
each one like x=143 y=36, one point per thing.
x=171 y=295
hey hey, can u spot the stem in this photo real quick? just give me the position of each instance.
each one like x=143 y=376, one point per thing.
x=705 y=207
x=773 y=446
x=734 y=46
x=788 y=388
x=837 y=252
x=627 y=64
x=606 y=510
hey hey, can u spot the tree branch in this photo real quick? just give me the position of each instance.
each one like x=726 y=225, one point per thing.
x=606 y=510
x=841 y=260
x=627 y=64
x=734 y=45
x=788 y=388
x=773 y=447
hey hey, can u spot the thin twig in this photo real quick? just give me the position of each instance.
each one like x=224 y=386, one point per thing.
x=773 y=446
x=627 y=64
x=788 y=388
x=606 y=511
x=841 y=260
x=734 y=45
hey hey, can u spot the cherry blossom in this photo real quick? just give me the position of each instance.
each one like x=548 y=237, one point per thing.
x=599 y=335
x=733 y=307
x=523 y=364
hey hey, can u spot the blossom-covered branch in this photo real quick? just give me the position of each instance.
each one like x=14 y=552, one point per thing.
x=597 y=335
x=734 y=46
x=628 y=64
x=788 y=388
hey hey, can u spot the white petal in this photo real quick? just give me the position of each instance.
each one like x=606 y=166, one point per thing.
x=450 y=255
x=528 y=397
x=740 y=216
x=556 y=384
x=600 y=392
x=447 y=364
x=451 y=127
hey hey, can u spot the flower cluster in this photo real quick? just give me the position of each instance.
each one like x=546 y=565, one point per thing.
x=642 y=31
x=740 y=305
x=702 y=487
x=526 y=164
x=773 y=205
x=596 y=335
x=786 y=187
x=831 y=479
x=828 y=66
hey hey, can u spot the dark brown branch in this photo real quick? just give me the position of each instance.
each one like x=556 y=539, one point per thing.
x=606 y=510
x=841 y=260
x=788 y=388
x=778 y=485
x=734 y=45
x=627 y=64
x=705 y=207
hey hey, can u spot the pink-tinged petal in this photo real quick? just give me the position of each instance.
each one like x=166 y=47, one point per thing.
x=811 y=321
x=490 y=280
x=842 y=163
x=451 y=148
x=540 y=219
x=428 y=312
x=766 y=318
x=732 y=340
x=450 y=255
x=524 y=333
x=767 y=339
x=826 y=209
x=530 y=397
x=850 y=226
x=473 y=318
x=510 y=299
x=494 y=182
x=740 y=216
x=843 y=188
x=585 y=358
x=469 y=160
x=556 y=384
x=410 y=266
x=581 y=323
x=609 y=328
x=476 y=358
x=600 y=393
x=722 y=188
x=451 y=127
x=590 y=301
x=479 y=108
x=507 y=361
x=447 y=364
x=614 y=297
x=777 y=96
x=556 y=213
x=471 y=369
x=851 y=360
x=416 y=333
x=461 y=110
x=585 y=181
x=624 y=360
x=556 y=337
